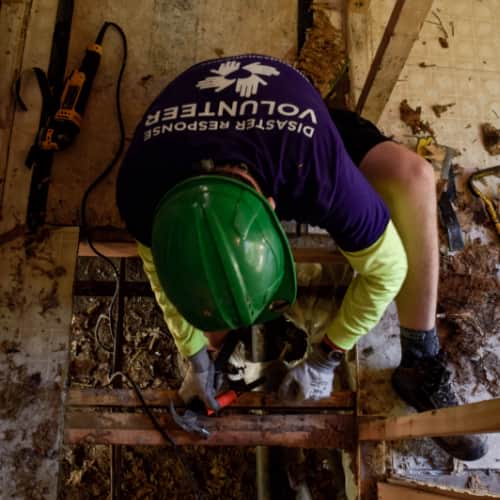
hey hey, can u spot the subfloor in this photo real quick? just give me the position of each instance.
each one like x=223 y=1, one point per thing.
x=151 y=359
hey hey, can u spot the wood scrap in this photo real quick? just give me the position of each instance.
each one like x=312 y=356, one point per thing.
x=491 y=138
x=439 y=109
x=443 y=42
x=412 y=118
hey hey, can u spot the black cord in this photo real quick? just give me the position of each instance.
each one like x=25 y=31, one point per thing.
x=100 y=178
x=86 y=233
x=164 y=434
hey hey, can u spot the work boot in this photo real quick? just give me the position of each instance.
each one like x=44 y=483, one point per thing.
x=424 y=383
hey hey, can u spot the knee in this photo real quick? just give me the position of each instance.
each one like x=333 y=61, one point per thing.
x=415 y=175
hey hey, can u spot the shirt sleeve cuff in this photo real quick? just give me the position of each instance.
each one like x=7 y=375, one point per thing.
x=381 y=270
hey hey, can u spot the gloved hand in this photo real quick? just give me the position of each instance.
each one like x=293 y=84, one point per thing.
x=200 y=380
x=312 y=378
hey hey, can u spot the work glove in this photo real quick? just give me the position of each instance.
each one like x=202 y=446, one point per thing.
x=312 y=378
x=200 y=380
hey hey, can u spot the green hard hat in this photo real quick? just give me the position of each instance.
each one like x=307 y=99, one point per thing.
x=221 y=254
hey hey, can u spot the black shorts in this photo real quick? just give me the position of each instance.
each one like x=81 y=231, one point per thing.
x=358 y=135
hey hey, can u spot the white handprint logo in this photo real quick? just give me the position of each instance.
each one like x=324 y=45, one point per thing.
x=245 y=86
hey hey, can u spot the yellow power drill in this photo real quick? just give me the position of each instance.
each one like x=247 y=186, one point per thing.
x=63 y=126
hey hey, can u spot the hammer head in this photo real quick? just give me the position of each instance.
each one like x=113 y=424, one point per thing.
x=188 y=422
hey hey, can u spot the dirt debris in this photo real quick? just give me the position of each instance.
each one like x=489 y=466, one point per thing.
x=425 y=65
x=491 y=138
x=474 y=482
x=412 y=118
x=323 y=57
x=439 y=109
x=27 y=462
x=145 y=79
x=18 y=390
x=469 y=298
x=15 y=233
x=9 y=347
x=48 y=298
x=44 y=438
x=443 y=42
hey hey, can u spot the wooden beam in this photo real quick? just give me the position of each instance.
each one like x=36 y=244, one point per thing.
x=30 y=28
x=397 y=41
x=129 y=249
x=448 y=491
x=162 y=397
x=304 y=431
x=396 y=492
x=391 y=492
x=475 y=418
x=37 y=274
x=358 y=32
x=13 y=19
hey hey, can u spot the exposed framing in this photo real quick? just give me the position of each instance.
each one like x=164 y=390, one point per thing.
x=402 y=30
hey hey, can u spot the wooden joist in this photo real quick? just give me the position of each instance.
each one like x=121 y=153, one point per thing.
x=305 y=430
x=387 y=491
x=129 y=249
x=161 y=398
x=397 y=41
x=475 y=418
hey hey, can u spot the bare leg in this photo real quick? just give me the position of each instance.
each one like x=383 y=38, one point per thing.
x=406 y=183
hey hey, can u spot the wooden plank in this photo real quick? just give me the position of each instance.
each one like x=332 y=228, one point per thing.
x=474 y=418
x=13 y=19
x=36 y=282
x=358 y=42
x=162 y=397
x=442 y=490
x=165 y=37
x=391 y=492
x=396 y=492
x=129 y=249
x=305 y=430
x=38 y=41
x=397 y=41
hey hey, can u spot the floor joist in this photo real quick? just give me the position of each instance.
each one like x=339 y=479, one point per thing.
x=397 y=41
x=474 y=418
x=117 y=249
x=162 y=397
x=304 y=430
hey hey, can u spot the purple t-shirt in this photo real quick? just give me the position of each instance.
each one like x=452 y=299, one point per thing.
x=262 y=112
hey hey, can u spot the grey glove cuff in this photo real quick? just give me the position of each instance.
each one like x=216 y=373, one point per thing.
x=319 y=360
x=200 y=361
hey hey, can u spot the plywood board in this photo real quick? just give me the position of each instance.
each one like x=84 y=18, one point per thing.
x=34 y=33
x=473 y=418
x=165 y=37
x=13 y=19
x=396 y=492
x=35 y=316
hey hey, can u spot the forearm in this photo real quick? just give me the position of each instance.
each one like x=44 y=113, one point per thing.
x=381 y=270
x=188 y=339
